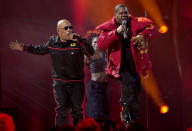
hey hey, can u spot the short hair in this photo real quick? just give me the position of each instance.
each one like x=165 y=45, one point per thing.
x=120 y=5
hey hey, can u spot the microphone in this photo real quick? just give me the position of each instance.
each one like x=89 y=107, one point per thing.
x=75 y=36
x=78 y=37
x=124 y=23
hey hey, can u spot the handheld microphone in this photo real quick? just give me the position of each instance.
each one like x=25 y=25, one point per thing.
x=124 y=22
x=77 y=37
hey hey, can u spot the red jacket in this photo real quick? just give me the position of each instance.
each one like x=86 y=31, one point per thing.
x=108 y=39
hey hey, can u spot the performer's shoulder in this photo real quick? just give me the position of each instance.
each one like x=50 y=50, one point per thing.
x=52 y=38
x=143 y=19
x=106 y=25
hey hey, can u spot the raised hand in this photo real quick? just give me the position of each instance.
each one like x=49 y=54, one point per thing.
x=76 y=37
x=72 y=36
x=15 y=45
x=121 y=29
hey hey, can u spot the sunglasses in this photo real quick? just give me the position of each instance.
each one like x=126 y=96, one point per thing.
x=67 y=27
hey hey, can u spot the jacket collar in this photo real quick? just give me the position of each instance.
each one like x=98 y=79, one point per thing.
x=57 y=39
x=110 y=24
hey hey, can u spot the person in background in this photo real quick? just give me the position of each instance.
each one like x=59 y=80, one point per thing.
x=97 y=87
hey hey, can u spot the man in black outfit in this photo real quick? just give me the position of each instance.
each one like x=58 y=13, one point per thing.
x=67 y=51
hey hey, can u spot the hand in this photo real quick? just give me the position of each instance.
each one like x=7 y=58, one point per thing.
x=139 y=41
x=73 y=37
x=121 y=29
x=15 y=45
x=76 y=37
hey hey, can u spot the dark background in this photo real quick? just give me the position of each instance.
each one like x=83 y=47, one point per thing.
x=26 y=91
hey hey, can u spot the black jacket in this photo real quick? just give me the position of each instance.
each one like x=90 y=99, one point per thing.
x=67 y=57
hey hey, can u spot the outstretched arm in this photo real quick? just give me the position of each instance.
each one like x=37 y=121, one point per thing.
x=34 y=49
x=15 y=45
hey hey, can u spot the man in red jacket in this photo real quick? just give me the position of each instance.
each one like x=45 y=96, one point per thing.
x=125 y=38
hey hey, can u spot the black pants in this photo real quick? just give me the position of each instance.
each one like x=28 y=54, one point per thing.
x=68 y=95
x=130 y=92
x=97 y=100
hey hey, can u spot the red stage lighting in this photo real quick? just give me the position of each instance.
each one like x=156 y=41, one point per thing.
x=189 y=129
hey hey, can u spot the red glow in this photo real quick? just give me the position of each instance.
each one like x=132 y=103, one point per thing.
x=6 y=122
x=189 y=129
x=79 y=12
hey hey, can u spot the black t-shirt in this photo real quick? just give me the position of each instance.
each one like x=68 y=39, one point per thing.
x=127 y=62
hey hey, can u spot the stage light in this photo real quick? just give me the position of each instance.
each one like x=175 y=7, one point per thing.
x=151 y=87
x=163 y=29
x=189 y=129
x=164 y=109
